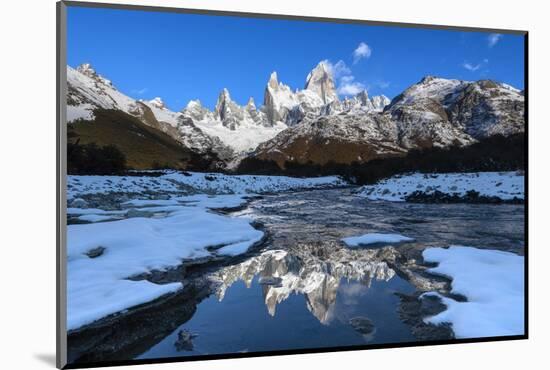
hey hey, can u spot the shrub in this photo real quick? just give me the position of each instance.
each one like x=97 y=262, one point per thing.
x=91 y=159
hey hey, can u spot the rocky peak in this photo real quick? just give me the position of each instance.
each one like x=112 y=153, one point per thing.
x=427 y=79
x=231 y=114
x=194 y=104
x=225 y=94
x=379 y=102
x=258 y=116
x=158 y=103
x=363 y=97
x=87 y=70
x=485 y=108
x=251 y=106
x=320 y=81
x=278 y=100
x=222 y=105
x=197 y=112
x=273 y=82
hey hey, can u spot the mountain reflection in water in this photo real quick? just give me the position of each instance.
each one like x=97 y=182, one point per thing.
x=304 y=297
x=312 y=270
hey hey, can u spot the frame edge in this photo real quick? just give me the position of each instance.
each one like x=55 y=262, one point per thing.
x=61 y=166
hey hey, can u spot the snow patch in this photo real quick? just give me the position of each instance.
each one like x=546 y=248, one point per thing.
x=504 y=185
x=100 y=286
x=493 y=283
x=178 y=182
x=375 y=238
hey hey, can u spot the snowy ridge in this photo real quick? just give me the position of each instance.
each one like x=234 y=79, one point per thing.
x=503 y=185
x=347 y=127
x=211 y=183
x=495 y=307
x=88 y=91
x=374 y=131
x=444 y=111
x=430 y=87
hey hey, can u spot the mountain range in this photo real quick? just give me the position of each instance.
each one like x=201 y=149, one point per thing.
x=312 y=125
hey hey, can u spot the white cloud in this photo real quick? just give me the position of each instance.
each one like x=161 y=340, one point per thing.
x=474 y=67
x=471 y=67
x=350 y=88
x=338 y=69
x=362 y=51
x=493 y=39
x=383 y=84
x=140 y=91
x=345 y=80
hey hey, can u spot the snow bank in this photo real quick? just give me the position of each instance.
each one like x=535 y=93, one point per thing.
x=100 y=286
x=177 y=182
x=493 y=283
x=504 y=185
x=374 y=238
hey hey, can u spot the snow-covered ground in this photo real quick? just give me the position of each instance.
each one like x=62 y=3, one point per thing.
x=375 y=238
x=504 y=185
x=493 y=283
x=194 y=182
x=102 y=256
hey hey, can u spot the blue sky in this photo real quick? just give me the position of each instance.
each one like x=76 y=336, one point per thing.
x=180 y=57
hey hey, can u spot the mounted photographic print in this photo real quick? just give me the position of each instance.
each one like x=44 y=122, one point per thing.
x=235 y=185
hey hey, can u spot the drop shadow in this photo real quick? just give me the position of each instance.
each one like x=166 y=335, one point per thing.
x=46 y=358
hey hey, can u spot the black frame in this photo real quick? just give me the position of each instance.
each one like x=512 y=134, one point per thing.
x=61 y=337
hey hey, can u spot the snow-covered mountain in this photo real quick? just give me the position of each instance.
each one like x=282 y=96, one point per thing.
x=89 y=91
x=340 y=138
x=229 y=129
x=241 y=128
x=435 y=112
x=444 y=111
x=314 y=124
x=318 y=98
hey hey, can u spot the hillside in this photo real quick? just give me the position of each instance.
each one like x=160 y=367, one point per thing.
x=143 y=146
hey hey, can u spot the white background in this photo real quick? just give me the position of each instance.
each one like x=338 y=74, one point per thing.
x=27 y=196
